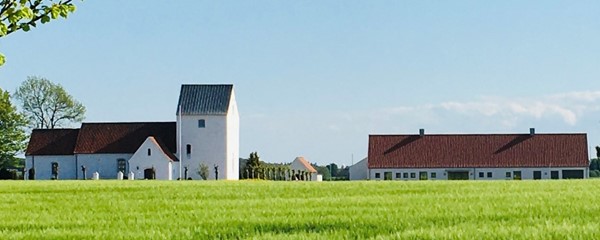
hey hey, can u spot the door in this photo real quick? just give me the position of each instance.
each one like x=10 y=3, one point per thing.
x=459 y=175
x=554 y=174
x=537 y=175
x=387 y=176
x=516 y=175
x=422 y=175
x=570 y=174
x=149 y=173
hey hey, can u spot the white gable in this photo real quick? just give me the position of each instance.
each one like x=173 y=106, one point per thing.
x=150 y=155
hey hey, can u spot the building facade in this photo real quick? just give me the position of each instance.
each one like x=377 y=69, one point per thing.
x=148 y=150
x=476 y=157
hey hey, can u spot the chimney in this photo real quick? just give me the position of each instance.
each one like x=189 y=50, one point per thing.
x=421 y=132
x=532 y=131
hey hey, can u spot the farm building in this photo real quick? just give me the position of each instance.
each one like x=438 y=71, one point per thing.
x=476 y=156
x=300 y=167
x=206 y=132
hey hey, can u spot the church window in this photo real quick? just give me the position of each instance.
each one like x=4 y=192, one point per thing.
x=201 y=123
x=121 y=165
x=188 y=149
x=149 y=152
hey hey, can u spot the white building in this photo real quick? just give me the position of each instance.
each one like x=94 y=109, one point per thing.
x=300 y=166
x=360 y=170
x=207 y=124
x=475 y=157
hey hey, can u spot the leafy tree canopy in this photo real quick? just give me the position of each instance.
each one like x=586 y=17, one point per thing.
x=48 y=105
x=23 y=15
x=12 y=134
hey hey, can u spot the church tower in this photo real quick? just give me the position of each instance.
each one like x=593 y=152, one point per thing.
x=208 y=127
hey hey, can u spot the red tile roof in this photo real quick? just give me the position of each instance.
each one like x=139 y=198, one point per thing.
x=485 y=150
x=306 y=164
x=164 y=149
x=123 y=137
x=52 y=142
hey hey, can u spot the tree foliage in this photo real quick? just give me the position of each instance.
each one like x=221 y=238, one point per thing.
x=203 y=171
x=12 y=134
x=48 y=105
x=23 y=15
x=253 y=166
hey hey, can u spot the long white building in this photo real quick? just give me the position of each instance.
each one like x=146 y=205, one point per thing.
x=206 y=131
x=474 y=157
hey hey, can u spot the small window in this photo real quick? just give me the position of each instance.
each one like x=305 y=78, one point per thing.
x=201 y=123
x=413 y=175
x=508 y=174
x=405 y=175
x=149 y=152
x=489 y=174
x=377 y=175
x=188 y=149
x=481 y=174
x=54 y=170
x=433 y=175
x=398 y=175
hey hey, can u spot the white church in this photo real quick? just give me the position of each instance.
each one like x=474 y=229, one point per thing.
x=206 y=133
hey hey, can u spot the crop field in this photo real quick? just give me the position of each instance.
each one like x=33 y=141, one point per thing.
x=558 y=209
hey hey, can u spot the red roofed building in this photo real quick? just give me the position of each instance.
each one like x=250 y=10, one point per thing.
x=206 y=132
x=477 y=156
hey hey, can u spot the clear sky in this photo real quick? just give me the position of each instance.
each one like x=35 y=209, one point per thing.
x=315 y=78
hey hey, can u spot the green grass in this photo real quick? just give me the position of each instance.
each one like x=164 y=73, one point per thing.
x=300 y=210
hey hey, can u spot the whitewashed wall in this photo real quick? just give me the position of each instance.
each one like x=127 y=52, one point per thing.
x=105 y=164
x=43 y=166
x=360 y=170
x=233 y=140
x=208 y=144
x=497 y=173
x=157 y=159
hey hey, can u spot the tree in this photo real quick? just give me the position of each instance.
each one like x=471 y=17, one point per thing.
x=253 y=165
x=18 y=15
x=48 y=105
x=12 y=134
x=203 y=171
x=333 y=169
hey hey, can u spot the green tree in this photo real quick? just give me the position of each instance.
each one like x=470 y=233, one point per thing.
x=48 y=105
x=18 y=15
x=12 y=134
x=253 y=165
x=333 y=169
x=203 y=171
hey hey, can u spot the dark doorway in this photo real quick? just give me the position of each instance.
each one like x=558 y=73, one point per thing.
x=537 y=175
x=387 y=176
x=516 y=175
x=572 y=174
x=149 y=173
x=554 y=174
x=458 y=175
x=422 y=175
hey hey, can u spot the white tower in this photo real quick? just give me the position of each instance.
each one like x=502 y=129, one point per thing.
x=210 y=128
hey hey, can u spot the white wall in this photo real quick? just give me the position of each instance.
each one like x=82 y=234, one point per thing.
x=208 y=144
x=157 y=160
x=497 y=173
x=105 y=164
x=360 y=170
x=43 y=166
x=233 y=140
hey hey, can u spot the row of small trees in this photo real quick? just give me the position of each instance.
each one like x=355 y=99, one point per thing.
x=254 y=169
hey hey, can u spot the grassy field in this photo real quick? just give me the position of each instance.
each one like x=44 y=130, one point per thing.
x=300 y=210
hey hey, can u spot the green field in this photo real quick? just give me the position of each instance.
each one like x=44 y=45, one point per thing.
x=315 y=210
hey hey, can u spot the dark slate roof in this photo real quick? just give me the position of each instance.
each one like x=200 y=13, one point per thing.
x=204 y=99
x=484 y=150
x=52 y=142
x=123 y=137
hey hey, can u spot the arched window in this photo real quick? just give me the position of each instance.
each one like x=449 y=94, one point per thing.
x=188 y=149
x=149 y=152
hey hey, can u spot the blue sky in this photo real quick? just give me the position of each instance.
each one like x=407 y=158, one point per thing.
x=315 y=78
